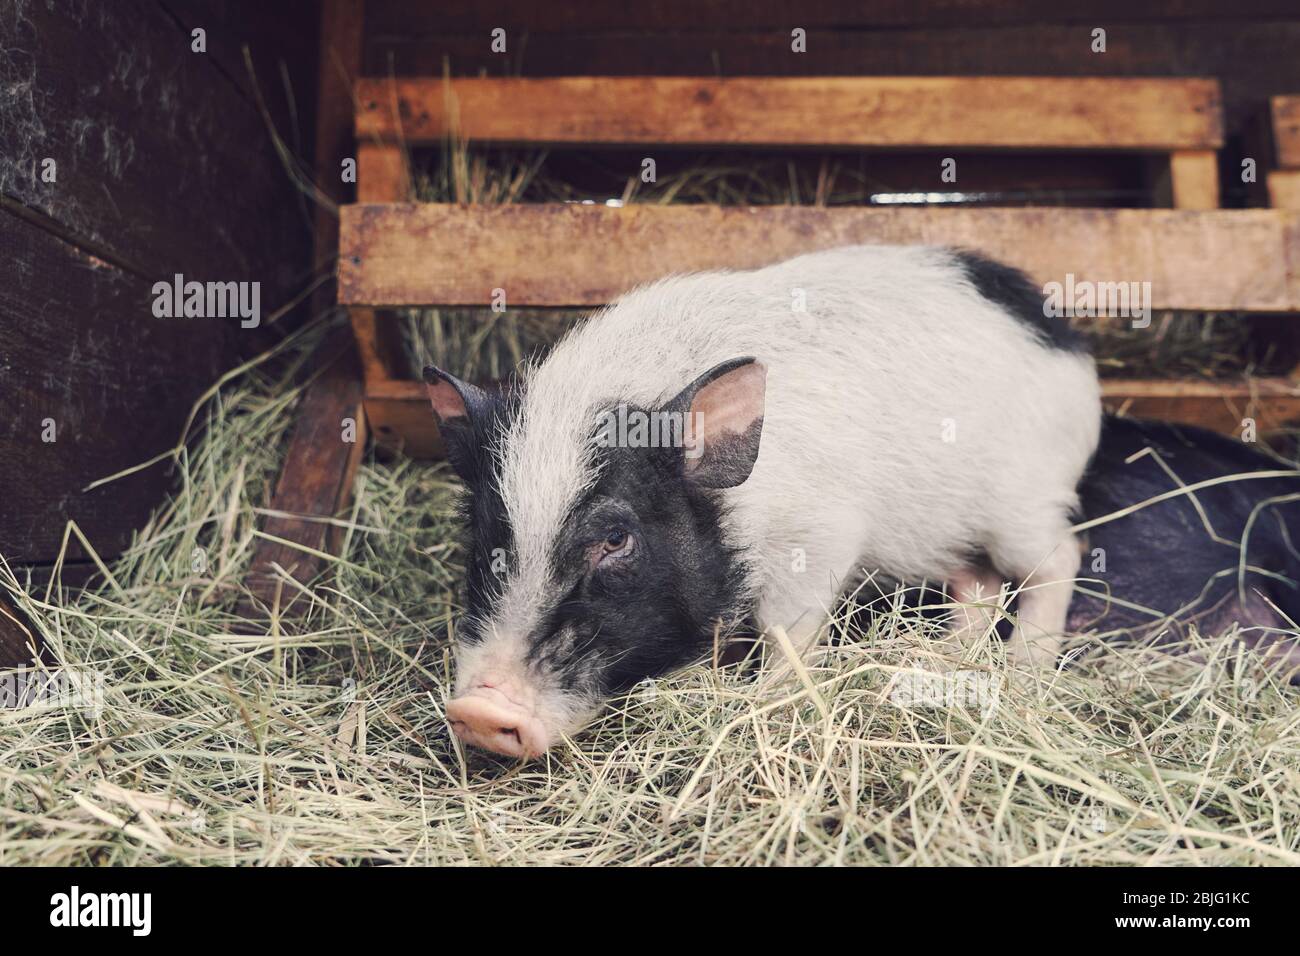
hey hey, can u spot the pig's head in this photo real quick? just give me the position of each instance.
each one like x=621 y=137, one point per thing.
x=597 y=555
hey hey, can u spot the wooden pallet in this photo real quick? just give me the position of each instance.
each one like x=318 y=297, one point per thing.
x=1284 y=177
x=1196 y=257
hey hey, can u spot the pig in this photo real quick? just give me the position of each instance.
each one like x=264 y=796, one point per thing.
x=728 y=450
x=1221 y=557
x=1165 y=559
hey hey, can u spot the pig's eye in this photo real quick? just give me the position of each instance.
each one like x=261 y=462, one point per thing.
x=617 y=544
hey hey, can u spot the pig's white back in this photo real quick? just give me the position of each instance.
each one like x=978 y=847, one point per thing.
x=909 y=422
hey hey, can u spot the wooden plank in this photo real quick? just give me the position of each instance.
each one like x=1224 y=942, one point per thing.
x=575 y=255
x=378 y=345
x=143 y=133
x=409 y=424
x=899 y=111
x=316 y=479
x=82 y=354
x=339 y=65
x=382 y=176
x=1284 y=189
x=1285 y=112
x=1221 y=406
x=1253 y=60
x=21 y=644
x=401 y=419
x=140 y=129
x=1194 y=179
x=382 y=173
x=400 y=18
x=1291 y=252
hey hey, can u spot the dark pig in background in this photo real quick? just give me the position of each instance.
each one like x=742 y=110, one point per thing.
x=1224 y=554
x=1228 y=553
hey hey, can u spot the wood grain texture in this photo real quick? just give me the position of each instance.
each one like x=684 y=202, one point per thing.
x=21 y=644
x=1194 y=179
x=163 y=165
x=573 y=255
x=382 y=173
x=315 y=481
x=339 y=63
x=316 y=477
x=162 y=159
x=1285 y=114
x=1284 y=189
x=404 y=18
x=1221 y=406
x=401 y=419
x=1253 y=57
x=81 y=348
x=983 y=112
x=382 y=176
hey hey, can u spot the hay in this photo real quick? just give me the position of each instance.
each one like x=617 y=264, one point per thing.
x=323 y=740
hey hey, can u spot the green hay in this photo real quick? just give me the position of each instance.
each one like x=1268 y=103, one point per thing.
x=323 y=740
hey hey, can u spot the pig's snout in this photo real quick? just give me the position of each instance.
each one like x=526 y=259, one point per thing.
x=495 y=718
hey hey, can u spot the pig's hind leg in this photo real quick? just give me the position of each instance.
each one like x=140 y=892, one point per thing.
x=977 y=592
x=1045 y=566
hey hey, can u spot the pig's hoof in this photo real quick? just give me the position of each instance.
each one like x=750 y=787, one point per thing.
x=1040 y=651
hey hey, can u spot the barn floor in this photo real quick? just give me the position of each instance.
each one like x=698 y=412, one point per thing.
x=323 y=740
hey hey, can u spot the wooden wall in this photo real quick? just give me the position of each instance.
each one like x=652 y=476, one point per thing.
x=164 y=165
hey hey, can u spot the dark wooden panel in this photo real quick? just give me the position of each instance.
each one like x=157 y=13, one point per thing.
x=564 y=254
x=402 y=17
x=163 y=161
x=165 y=165
x=79 y=344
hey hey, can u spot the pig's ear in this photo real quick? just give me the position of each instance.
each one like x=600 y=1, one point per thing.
x=723 y=411
x=458 y=406
x=451 y=398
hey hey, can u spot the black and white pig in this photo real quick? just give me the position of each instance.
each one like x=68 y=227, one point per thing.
x=1159 y=561
x=733 y=448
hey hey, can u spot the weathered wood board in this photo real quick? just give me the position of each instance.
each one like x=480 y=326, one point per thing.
x=1284 y=189
x=91 y=383
x=897 y=111
x=406 y=18
x=1285 y=114
x=577 y=255
x=1250 y=47
x=315 y=482
x=162 y=164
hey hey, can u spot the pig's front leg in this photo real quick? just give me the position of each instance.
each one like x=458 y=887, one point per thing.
x=801 y=623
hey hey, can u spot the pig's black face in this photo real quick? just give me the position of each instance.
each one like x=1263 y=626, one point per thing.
x=646 y=577
x=626 y=576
